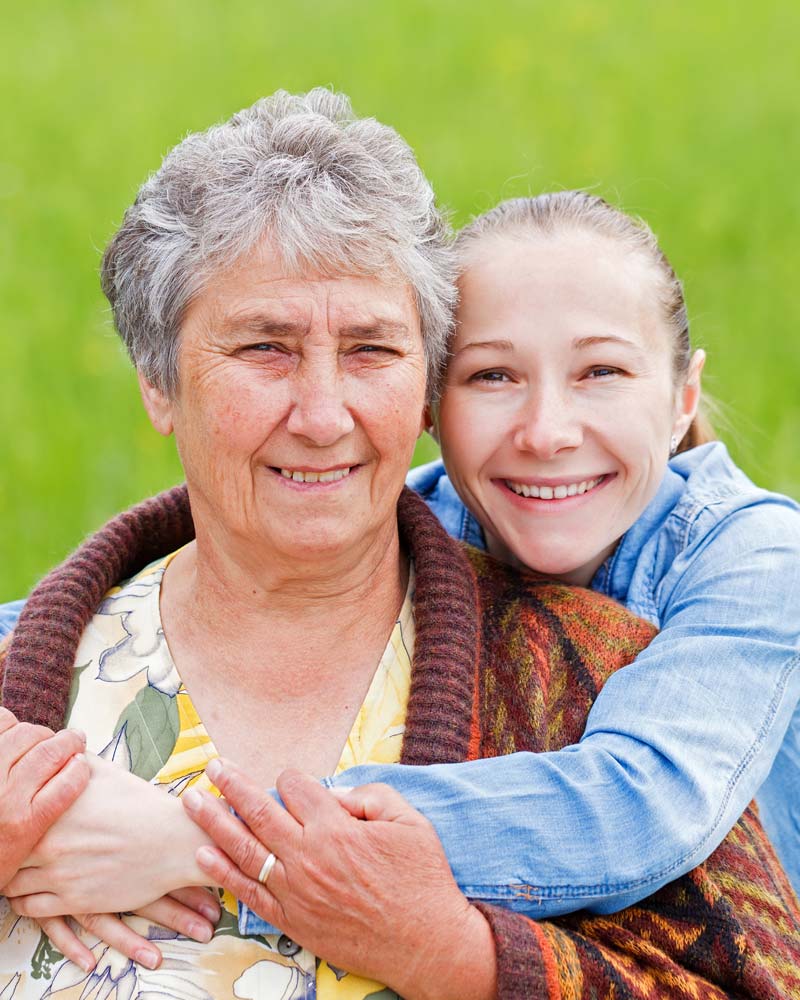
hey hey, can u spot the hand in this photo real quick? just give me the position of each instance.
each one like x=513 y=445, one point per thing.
x=192 y=912
x=376 y=898
x=41 y=775
x=123 y=844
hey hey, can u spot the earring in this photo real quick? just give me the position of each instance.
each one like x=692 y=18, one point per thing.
x=673 y=445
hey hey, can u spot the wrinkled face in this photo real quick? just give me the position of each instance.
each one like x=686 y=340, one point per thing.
x=558 y=407
x=299 y=403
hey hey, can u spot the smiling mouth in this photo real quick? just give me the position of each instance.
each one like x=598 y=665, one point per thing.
x=559 y=492
x=305 y=476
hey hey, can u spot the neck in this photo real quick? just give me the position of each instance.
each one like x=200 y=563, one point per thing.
x=240 y=589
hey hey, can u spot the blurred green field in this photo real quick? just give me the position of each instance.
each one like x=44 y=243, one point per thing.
x=686 y=113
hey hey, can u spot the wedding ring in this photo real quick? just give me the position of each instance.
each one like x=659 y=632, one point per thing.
x=266 y=868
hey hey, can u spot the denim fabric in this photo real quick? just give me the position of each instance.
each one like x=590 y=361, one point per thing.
x=8 y=616
x=676 y=745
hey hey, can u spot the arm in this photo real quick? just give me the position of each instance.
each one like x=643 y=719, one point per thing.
x=93 y=858
x=676 y=744
x=41 y=775
x=374 y=898
x=8 y=616
x=123 y=845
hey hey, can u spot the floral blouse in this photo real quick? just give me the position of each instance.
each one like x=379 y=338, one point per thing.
x=129 y=699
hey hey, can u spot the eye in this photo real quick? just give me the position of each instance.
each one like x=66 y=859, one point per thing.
x=373 y=349
x=602 y=372
x=491 y=376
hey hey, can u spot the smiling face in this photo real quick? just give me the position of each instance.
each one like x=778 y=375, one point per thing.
x=559 y=405
x=299 y=403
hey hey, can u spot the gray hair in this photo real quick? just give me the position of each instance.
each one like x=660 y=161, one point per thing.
x=334 y=193
x=554 y=213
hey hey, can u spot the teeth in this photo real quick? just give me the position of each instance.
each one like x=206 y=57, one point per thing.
x=553 y=492
x=315 y=477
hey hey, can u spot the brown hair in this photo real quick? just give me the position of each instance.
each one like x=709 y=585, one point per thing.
x=547 y=214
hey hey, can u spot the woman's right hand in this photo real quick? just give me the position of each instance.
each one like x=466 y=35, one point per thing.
x=192 y=912
x=41 y=775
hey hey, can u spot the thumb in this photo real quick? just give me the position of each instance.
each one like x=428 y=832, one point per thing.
x=377 y=802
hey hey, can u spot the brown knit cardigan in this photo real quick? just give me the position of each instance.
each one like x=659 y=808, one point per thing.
x=502 y=662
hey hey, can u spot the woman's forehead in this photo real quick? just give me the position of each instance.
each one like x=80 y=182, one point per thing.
x=578 y=285
x=259 y=291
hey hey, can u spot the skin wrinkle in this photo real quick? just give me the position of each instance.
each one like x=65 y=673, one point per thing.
x=318 y=386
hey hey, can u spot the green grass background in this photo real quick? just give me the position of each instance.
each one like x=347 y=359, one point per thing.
x=684 y=112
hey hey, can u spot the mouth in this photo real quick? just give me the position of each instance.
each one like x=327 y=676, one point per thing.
x=315 y=475
x=555 y=491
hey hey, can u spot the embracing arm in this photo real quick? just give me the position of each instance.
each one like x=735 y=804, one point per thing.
x=676 y=744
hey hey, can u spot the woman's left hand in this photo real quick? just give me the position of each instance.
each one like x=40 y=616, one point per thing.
x=376 y=898
x=121 y=845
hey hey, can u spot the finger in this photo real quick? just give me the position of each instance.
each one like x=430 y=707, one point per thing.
x=168 y=912
x=268 y=820
x=7 y=719
x=201 y=900
x=115 y=932
x=32 y=903
x=306 y=799
x=58 y=794
x=377 y=802
x=48 y=757
x=249 y=891
x=21 y=738
x=227 y=831
x=68 y=943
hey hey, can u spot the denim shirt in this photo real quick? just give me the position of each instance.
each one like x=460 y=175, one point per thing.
x=677 y=743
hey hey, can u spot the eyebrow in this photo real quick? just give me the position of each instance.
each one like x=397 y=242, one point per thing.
x=263 y=325
x=258 y=323
x=582 y=342
x=374 y=329
x=475 y=345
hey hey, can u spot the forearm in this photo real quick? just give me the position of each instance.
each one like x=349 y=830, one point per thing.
x=640 y=801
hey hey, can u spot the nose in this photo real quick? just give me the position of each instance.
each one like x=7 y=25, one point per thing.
x=548 y=422
x=319 y=411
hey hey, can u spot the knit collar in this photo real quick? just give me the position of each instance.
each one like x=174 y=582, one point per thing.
x=40 y=658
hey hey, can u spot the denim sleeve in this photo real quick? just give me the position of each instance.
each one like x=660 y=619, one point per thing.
x=676 y=745
x=8 y=616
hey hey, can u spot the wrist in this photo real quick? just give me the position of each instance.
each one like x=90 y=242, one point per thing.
x=466 y=948
x=184 y=838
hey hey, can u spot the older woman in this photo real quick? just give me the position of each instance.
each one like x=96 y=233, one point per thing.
x=283 y=286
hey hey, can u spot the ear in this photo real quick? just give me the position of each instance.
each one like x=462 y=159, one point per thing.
x=430 y=421
x=688 y=397
x=158 y=406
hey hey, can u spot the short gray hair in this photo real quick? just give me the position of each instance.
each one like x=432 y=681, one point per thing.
x=335 y=193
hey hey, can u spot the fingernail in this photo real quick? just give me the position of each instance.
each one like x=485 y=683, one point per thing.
x=147 y=958
x=192 y=798
x=205 y=857
x=87 y=964
x=213 y=770
x=200 y=932
x=80 y=734
x=211 y=913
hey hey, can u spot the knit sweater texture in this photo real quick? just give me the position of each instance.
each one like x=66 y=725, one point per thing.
x=503 y=662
